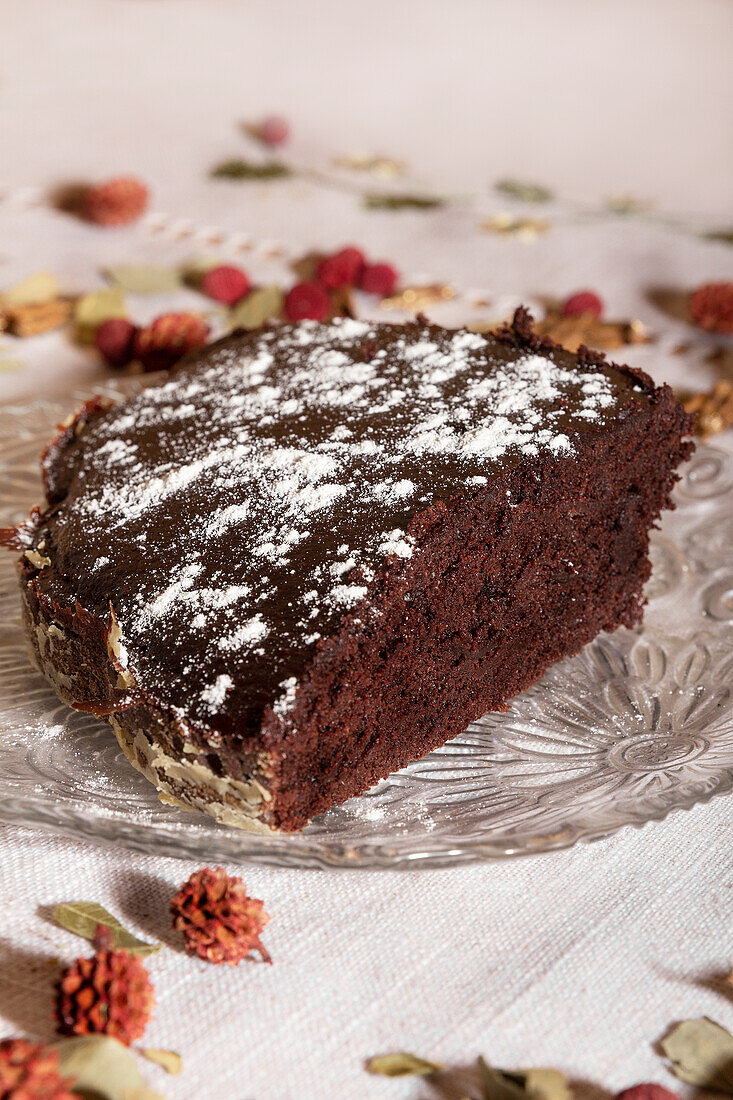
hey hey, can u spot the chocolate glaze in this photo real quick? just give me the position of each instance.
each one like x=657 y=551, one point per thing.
x=233 y=515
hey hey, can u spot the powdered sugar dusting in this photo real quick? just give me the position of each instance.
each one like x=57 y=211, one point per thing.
x=252 y=500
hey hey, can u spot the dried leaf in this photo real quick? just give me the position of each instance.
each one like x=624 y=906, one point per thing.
x=94 y=308
x=145 y=278
x=83 y=917
x=238 y=169
x=32 y=319
x=168 y=1059
x=714 y=409
x=385 y=167
x=722 y=236
x=701 y=1053
x=401 y=1064
x=41 y=287
x=506 y=225
x=102 y=1068
x=377 y=201
x=525 y=192
x=8 y=365
x=627 y=204
x=415 y=298
x=263 y=304
x=584 y=328
x=538 y=1084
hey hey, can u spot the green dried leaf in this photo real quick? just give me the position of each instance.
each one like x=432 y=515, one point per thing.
x=145 y=278
x=401 y=1064
x=102 y=1068
x=83 y=917
x=723 y=236
x=9 y=365
x=701 y=1053
x=238 y=169
x=259 y=306
x=377 y=201
x=538 y=1084
x=94 y=308
x=168 y=1059
x=525 y=192
x=36 y=289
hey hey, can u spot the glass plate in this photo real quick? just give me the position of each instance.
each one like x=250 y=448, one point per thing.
x=640 y=723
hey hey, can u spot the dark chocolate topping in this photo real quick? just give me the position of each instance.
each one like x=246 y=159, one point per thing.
x=233 y=515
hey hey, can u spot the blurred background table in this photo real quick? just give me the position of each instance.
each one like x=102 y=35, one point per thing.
x=579 y=959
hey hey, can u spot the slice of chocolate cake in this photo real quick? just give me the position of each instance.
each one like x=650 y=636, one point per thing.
x=319 y=551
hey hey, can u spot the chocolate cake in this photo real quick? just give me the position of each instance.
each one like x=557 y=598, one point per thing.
x=317 y=552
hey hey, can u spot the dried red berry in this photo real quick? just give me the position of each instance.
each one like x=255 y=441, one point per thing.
x=160 y=345
x=343 y=268
x=28 y=1071
x=109 y=994
x=115 y=341
x=218 y=919
x=583 y=301
x=647 y=1091
x=273 y=130
x=225 y=283
x=711 y=307
x=379 y=279
x=116 y=202
x=307 y=301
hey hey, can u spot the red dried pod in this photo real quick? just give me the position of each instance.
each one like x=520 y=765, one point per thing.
x=379 y=279
x=161 y=344
x=108 y=994
x=115 y=341
x=647 y=1091
x=343 y=268
x=226 y=283
x=583 y=301
x=307 y=302
x=218 y=919
x=28 y=1071
x=116 y=202
x=711 y=306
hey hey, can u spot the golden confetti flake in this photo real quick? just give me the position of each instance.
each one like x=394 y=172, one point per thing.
x=507 y=225
x=627 y=204
x=714 y=409
x=415 y=298
x=584 y=328
x=384 y=167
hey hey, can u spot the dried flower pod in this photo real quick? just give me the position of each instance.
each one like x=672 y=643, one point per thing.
x=307 y=301
x=219 y=921
x=109 y=994
x=162 y=343
x=711 y=307
x=28 y=1071
x=116 y=202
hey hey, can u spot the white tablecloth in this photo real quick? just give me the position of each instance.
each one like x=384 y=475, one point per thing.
x=579 y=959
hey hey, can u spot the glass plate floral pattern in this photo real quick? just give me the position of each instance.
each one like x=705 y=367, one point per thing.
x=638 y=724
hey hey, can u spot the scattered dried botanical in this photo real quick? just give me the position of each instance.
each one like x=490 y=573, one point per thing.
x=627 y=204
x=238 y=169
x=711 y=307
x=109 y=994
x=538 y=1084
x=92 y=309
x=722 y=236
x=377 y=201
x=41 y=287
x=103 y=1068
x=714 y=409
x=33 y=319
x=414 y=298
x=168 y=1059
x=506 y=225
x=701 y=1053
x=261 y=305
x=524 y=191
x=30 y=1071
x=220 y=922
x=145 y=278
x=386 y=167
x=84 y=918
x=585 y=328
x=401 y=1064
